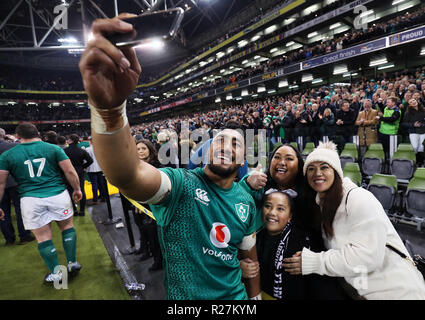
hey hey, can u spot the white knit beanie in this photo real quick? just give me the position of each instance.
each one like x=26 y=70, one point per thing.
x=325 y=152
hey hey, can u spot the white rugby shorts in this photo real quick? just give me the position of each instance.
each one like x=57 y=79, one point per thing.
x=38 y=212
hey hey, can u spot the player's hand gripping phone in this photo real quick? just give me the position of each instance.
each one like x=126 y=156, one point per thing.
x=152 y=25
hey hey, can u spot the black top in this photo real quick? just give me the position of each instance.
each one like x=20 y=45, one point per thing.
x=79 y=157
x=294 y=287
x=10 y=182
x=299 y=287
x=412 y=116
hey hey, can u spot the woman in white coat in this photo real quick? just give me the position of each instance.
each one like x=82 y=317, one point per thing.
x=356 y=230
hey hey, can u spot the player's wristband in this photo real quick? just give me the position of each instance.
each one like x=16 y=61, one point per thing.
x=163 y=191
x=108 y=121
x=257 y=297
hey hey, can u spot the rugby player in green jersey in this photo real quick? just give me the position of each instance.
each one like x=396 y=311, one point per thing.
x=205 y=219
x=37 y=168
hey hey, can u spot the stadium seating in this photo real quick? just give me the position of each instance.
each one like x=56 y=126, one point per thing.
x=403 y=164
x=348 y=154
x=384 y=188
x=405 y=147
x=352 y=171
x=309 y=147
x=294 y=144
x=414 y=199
x=373 y=160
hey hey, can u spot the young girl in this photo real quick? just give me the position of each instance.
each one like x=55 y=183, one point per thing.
x=279 y=239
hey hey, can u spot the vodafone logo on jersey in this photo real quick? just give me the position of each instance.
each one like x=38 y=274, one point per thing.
x=220 y=235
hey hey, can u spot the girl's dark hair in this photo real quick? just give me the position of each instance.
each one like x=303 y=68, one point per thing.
x=153 y=153
x=299 y=180
x=329 y=203
x=291 y=201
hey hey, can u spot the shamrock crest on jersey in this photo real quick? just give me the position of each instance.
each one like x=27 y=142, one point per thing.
x=242 y=211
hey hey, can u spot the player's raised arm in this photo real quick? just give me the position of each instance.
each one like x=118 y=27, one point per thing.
x=109 y=76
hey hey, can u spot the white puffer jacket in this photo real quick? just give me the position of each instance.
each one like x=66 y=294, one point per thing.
x=358 y=251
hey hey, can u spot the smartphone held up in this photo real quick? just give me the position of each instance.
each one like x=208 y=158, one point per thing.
x=158 y=25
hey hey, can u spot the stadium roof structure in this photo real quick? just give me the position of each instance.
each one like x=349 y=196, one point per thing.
x=55 y=28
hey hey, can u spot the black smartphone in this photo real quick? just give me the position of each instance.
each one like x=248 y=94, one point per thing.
x=158 y=24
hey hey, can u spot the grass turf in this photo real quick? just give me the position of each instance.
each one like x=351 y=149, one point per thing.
x=23 y=270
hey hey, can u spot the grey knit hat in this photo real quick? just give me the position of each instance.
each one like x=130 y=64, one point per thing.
x=325 y=152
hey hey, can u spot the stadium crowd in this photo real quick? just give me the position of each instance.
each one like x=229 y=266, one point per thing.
x=396 y=24
x=314 y=113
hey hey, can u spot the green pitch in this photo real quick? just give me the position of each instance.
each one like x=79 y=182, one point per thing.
x=23 y=270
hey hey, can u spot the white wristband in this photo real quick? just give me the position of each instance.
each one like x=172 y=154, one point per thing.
x=248 y=242
x=108 y=121
x=163 y=191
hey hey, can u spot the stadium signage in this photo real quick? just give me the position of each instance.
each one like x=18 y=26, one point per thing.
x=231 y=87
x=407 y=36
x=345 y=53
x=268 y=76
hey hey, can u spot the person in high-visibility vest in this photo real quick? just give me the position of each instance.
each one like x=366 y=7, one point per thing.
x=389 y=123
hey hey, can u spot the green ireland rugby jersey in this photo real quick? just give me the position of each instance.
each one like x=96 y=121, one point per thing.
x=35 y=167
x=200 y=228
x=84 y=144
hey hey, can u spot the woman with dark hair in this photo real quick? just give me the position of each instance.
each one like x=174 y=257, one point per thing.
x=149 y=243
x=285 y=172
x=357 y=234
x=147 y=152
x=414 y=123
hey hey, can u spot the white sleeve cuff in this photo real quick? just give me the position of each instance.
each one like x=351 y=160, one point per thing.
x=310 y=262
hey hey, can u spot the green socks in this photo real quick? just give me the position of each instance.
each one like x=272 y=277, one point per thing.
x=48 y=253
x=69 y=240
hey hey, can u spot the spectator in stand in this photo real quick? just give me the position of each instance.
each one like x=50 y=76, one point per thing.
x=345 y=119
x=414 y=122
x=367 y=125
x=301 y=124
x=389 y=123
x=315 y=123
x=327 y=127
x=257 y=122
